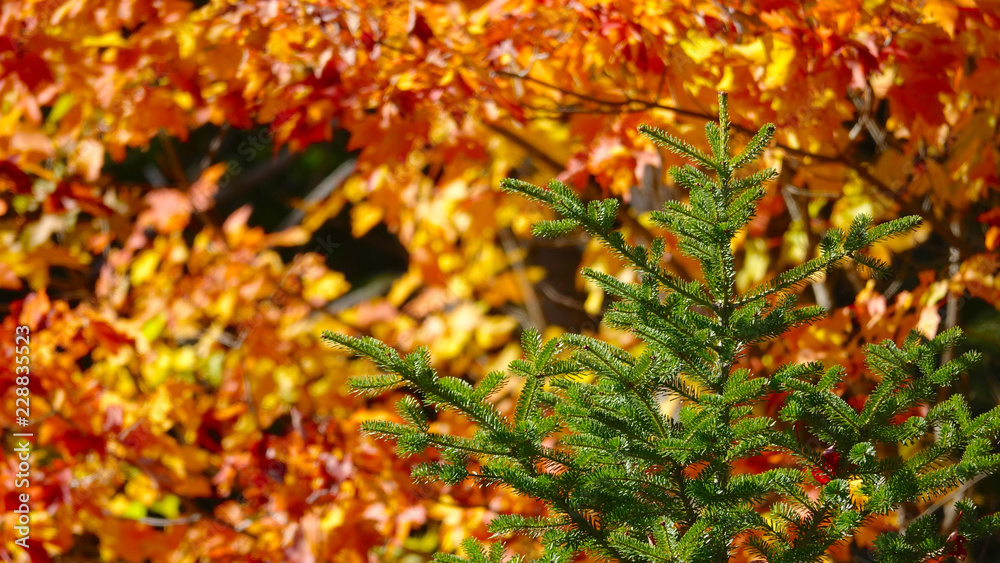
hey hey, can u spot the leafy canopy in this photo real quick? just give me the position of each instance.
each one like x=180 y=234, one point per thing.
x=179 y=409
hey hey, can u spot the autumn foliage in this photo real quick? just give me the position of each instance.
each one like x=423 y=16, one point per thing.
x=190 y=193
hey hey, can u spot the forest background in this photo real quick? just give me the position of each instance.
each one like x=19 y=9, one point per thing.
x=190 y=193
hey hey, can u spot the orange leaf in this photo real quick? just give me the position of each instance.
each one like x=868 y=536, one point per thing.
x=206 y=186
x=36 y=307
x=169 y=210
x=993 y=238
x=89 y=158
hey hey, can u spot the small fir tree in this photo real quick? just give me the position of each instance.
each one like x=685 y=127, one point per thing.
x=625 y=482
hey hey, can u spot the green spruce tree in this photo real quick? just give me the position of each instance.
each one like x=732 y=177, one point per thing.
x=622 y=481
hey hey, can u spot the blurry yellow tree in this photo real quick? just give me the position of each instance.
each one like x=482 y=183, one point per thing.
x=183 y=406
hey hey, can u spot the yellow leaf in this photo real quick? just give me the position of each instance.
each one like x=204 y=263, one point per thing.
x=123 y=507
x=699 y=47
x=152 y=328
x=334 y=518
x=292 y=236
x=727 y=81
x=754 y=265
x=145 y=266
x=595 y=299
x=288 y=380
x=110 y=39
x=494 y=331
x=175 y=464
x=753 y=52
x=327 y=288
x=795 y=245
x=184 y=100
x=185 y=36
x=935 y=293
x=857 y=497
x=364 y=216
x=407 y=81
x=63 y=104
x=225 y=304
x=782 y=53
x=161 y=407
x=929 y=321
x=942 y=12
x=141 y=488
x=403 y=287
x=169 y=506
x=184 y=359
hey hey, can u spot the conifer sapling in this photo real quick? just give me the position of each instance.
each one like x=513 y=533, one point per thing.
x=625 y=482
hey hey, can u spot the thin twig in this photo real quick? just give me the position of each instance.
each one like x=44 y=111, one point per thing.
x=905 y=206
x=947 y=498
x=627 y=101
x=320 y=192
x=213 y=147
x=531 y=303
x=157 y=521
x=180 y=176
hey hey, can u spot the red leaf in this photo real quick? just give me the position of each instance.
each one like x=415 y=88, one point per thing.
x=991 y=217
x=957 y=542
x=830 y=461
x=108 y=336
x=13 y=179
x=7 y=44
x=419 y=28
x=31 y=69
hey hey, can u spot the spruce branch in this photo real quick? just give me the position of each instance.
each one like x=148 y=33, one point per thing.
x=677 y=146
x=625 y=481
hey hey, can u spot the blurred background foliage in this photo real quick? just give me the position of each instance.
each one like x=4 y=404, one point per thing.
x=191 y=192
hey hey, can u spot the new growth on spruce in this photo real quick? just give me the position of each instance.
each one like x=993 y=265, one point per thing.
x=625 y=482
